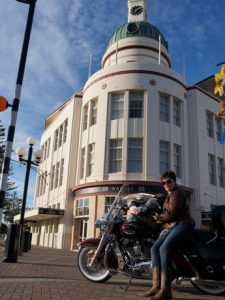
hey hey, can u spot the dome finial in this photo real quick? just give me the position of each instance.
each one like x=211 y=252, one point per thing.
x=137 y=10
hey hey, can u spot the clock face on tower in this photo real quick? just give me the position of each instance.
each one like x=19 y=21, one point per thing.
x=136 y=10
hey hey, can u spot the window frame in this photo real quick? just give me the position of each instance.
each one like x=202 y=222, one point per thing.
x=134 y=150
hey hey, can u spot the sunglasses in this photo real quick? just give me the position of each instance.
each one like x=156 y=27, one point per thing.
x=168 y=181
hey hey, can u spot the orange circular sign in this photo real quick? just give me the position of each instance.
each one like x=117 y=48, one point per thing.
x=3 y=104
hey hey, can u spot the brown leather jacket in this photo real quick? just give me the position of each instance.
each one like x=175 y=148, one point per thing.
x=175 y=209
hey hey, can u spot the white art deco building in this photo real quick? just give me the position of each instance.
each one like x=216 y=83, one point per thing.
x=133 y=119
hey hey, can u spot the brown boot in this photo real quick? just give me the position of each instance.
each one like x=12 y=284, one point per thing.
x=164 y=287
x=155 y=283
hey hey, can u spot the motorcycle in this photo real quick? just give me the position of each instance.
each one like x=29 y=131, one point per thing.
x=200 y=261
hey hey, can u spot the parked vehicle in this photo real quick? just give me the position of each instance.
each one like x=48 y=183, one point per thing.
x=200 y=261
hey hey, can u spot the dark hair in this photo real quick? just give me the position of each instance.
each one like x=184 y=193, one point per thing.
x=168 y=174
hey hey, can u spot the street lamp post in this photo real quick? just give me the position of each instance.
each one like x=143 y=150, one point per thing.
x=15 y=105
x=21 y=153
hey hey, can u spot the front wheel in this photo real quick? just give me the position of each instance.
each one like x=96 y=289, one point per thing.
x=98 y=272
x=212 y=288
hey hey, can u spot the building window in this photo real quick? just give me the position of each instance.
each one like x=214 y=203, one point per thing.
x=177 y=112
x=219 y=129
x=60 y=135
x=56 y=138
x=65 y=128
x=212 y=169
x=52 y=178
x=164 y=108
x=82 y=163
x=48 y=147
x=209 y=124
x=61 y=172
x=136 y=100
x=108 y=202
x=56 y=175
x=85 y=117
x=82 y=207
x=221 y=172
x=93 y=114
x=135 y=156
x=164 y=156
x=117 y=106
x=115 y=155
x=91 y=154
x=44 y=178
x=177 y=160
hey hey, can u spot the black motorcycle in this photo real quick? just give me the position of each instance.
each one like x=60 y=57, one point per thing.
x=200 y=261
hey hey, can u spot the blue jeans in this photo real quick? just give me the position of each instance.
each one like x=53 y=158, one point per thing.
x=168 y=240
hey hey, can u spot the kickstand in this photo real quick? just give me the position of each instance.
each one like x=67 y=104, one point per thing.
x=127 y=286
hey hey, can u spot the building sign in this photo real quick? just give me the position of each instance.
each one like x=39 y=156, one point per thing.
x=50 y=211
x=130 y=189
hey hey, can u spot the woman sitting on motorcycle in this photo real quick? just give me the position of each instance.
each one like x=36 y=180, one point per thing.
x=177 y=227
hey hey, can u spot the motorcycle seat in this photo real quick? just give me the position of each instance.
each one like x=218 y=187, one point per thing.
x=202 y=235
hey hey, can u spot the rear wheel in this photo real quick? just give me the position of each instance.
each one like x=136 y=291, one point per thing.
x=213 y=288
x=98 y=272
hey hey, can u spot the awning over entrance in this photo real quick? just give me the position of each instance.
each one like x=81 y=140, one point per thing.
x=41 y=213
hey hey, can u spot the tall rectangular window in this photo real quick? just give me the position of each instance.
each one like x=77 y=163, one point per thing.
x=61 y=172
x=56 y=138
x=164 y=108
x=177 y=112
x=48 y=146
x=115 y=155
x=85 y=117
x=135 y=155
x=82 y=162
x=219 y=129
x=65 y=128
x=52 y=178
x=45 y=181
x=136 y=103
x=93 y=114
x=209 y=124
x=212 y=169
x=178 y=160
x=56 y=175
x=221 y=172
x=91 y=155
x=60 y=135
x=108 y=202
x=164 y=156
x=117 y=106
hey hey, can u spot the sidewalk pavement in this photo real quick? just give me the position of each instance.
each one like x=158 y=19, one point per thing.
x=45 y=273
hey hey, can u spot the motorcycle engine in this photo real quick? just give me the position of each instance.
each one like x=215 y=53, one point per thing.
x=137 y=249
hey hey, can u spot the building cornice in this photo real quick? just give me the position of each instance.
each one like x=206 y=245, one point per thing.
x=126 y=72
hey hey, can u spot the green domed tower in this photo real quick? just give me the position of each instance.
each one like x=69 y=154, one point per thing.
x=137 y=40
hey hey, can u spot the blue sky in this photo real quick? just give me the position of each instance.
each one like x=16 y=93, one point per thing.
x=64 y=34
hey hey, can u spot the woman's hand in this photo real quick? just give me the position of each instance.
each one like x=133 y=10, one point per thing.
x=134 y=210
x=157 y=218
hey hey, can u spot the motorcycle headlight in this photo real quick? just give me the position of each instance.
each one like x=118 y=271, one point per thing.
x=100 y=223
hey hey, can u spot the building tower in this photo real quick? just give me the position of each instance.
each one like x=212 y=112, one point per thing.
x=127 y=132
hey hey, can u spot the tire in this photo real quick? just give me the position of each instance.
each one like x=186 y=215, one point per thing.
x=217 y=289
x=97 y=272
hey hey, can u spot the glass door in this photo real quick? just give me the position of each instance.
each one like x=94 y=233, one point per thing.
x=83 y=229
